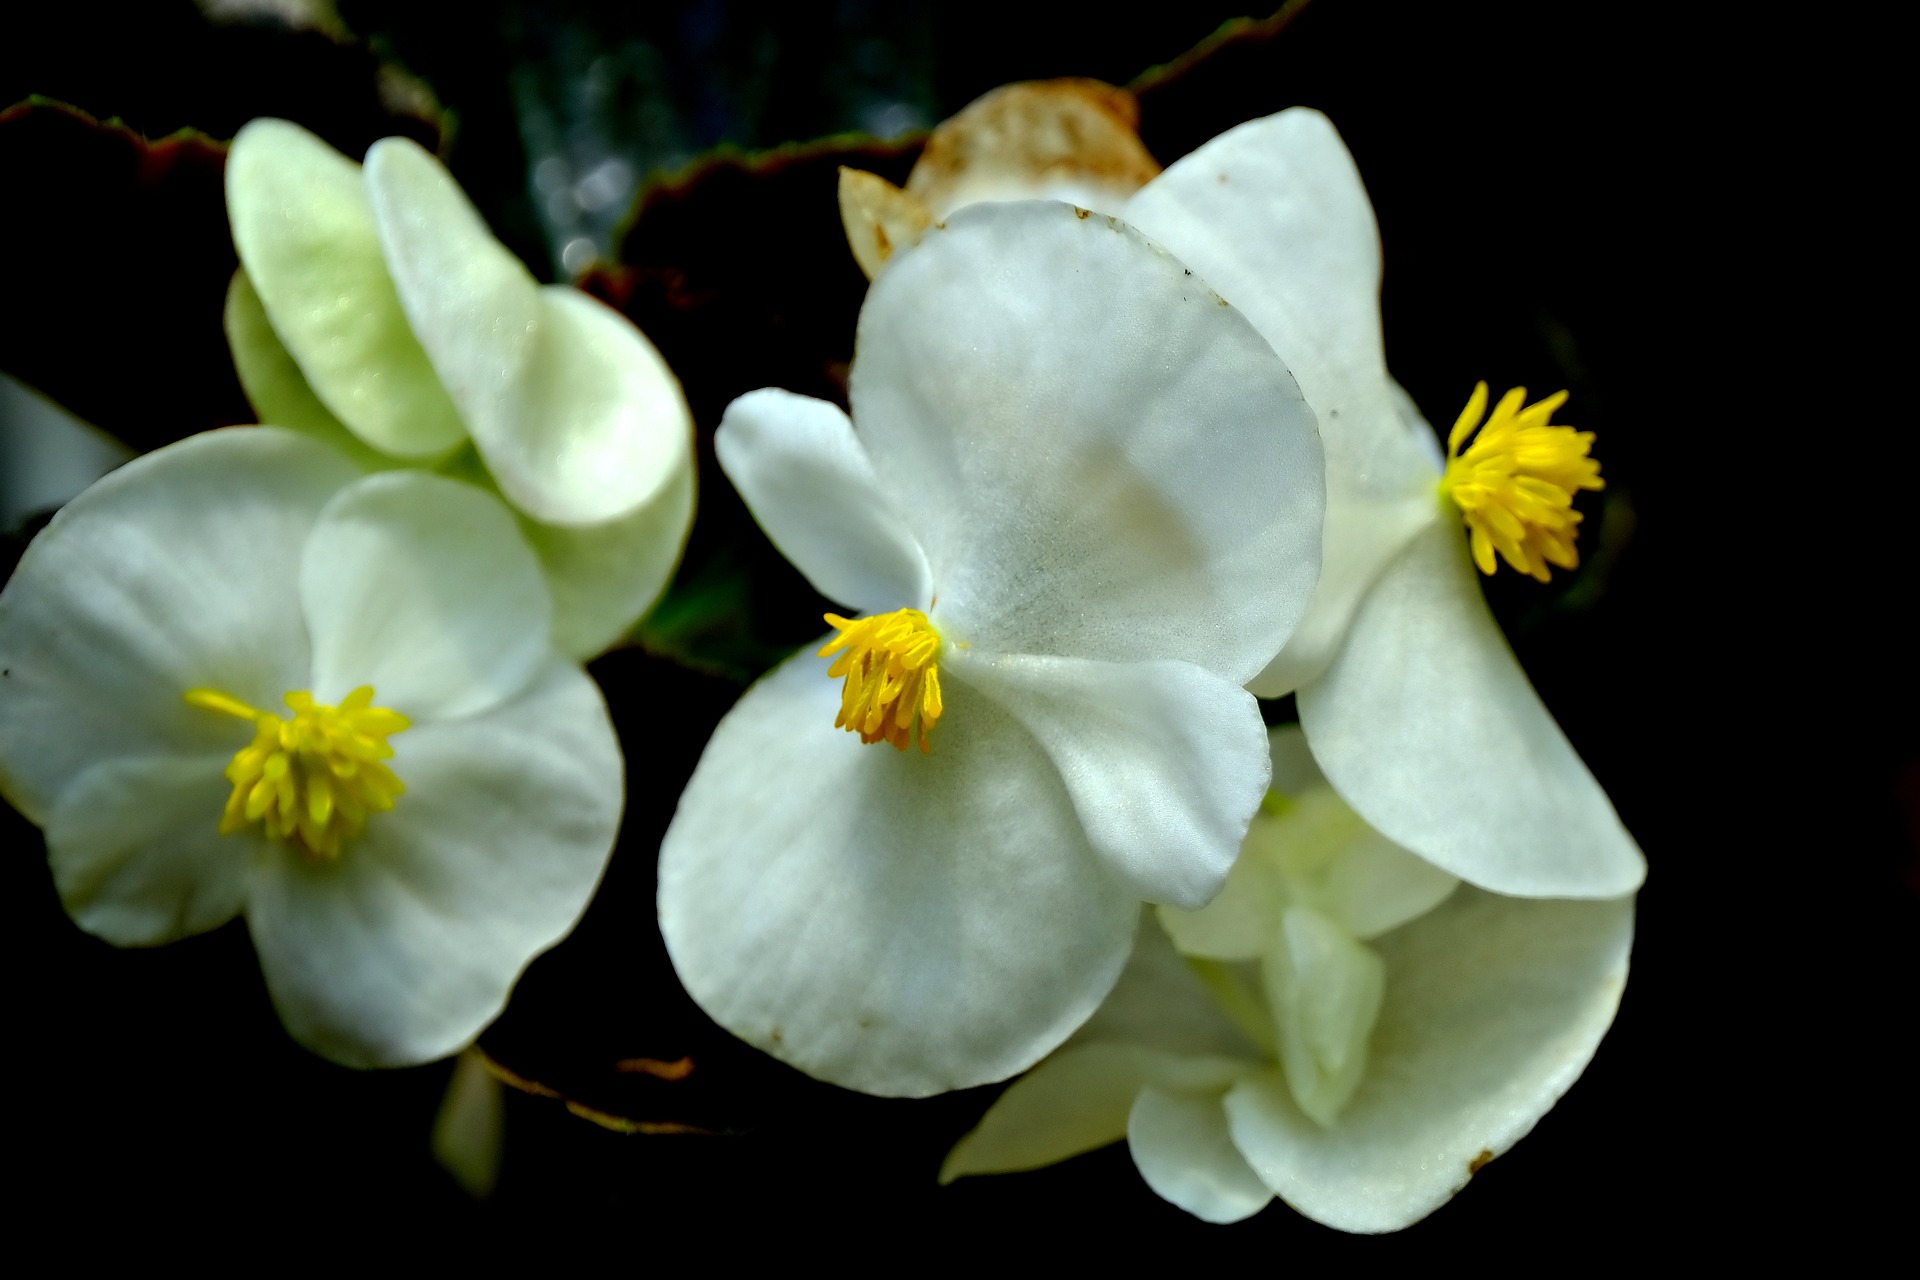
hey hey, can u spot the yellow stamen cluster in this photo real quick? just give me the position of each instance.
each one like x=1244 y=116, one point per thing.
x=1515 y=483
x=892 y=678
x=312 y=780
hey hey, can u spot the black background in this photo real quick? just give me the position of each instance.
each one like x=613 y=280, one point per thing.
x=1650 y=207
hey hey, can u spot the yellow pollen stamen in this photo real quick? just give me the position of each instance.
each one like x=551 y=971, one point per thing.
x=892 y=676
x=314 y=779
x=1515 y=483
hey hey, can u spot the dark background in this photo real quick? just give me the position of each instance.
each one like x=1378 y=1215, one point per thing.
x=1646 y=207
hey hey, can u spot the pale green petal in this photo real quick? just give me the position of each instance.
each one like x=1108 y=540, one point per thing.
x=1375 y=885
x=136 y=853
x=1294 y=770
x=1099 y=457
x=1274 y=216
x=576 y=414
x=1306 y=846
x=889 y=921
x=468 y=1130
x=406 y=947
x=1325 y=989
x=604 y=577
x=1181 y=1146
x=1242 y=920
x=306 y=236
x=1076 y=1101
x=810 y=485
x=422 y=587
x=1493 y=1007
x=1165 y=761
x=178 y=571
x=274 y=384
x=1426 y=725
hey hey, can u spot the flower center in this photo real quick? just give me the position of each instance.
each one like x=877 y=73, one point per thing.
x=311 y=780
x=1515 y=483
x=891 y=674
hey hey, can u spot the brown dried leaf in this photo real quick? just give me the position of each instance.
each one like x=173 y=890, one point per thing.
x=879 y=217
x=1072 y=139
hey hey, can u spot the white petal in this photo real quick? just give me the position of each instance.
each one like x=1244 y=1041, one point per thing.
x=888 y=921
x=50 y=455
x=136 y=853
x=422 y=587
x=604 y=577
x=1426 y=725
x=1493 y=1008
x=274 y=384
x=1273 y=215
x=1165 y=761
x=306 y=237
x=1181 y=1146
x=1161 y=1003
x=1325 y=991
x=808 y=481
x=1099 y=458
x=578 y=417
x=173 y=573
x=406 y=947
x=1243 y=919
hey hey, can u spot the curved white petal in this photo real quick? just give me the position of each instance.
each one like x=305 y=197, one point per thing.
x=406 y=947
x=136 y=853
x=175 y=572
x=1099 y=457
x=306 y=237
x=422 y=587
x=604 y=577
x=1160 y=1003
x=1273 y=215
x=1180 y=1144
x=1426 y=725
x=807 y=479
x=1493 y=1008
x=577 y=415
x=274 y=384
x=1165 y=761
x=888 y=921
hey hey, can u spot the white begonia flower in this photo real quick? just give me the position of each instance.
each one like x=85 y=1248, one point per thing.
x=375 y=309
x=240 y=677
x=1410 y=696
x=1076 y=497
x=1343 y=1026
